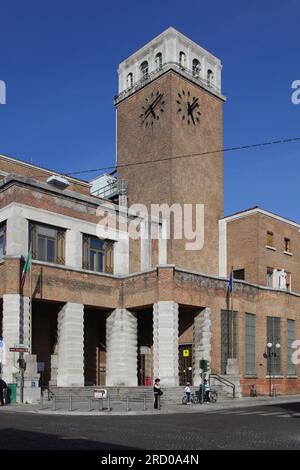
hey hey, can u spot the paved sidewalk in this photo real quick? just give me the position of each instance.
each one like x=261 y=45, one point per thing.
x=119 y=408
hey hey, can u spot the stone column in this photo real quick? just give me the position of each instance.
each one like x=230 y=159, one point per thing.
x=165 y=342
x=70 y=346
x=121 y=348
x=17 y=234
x=202 y=341
x=15 y=331
x=74 y=249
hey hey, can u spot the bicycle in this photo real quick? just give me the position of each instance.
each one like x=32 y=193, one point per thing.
x=213 y=396
x=193 y=399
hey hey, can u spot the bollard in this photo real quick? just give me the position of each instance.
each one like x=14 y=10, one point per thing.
x=127 y=404
x=90 y=404
x=42 y=402
x=54 y=402
x=100 y=400
x=108 y=404
x=145 y=403
x=70 y=403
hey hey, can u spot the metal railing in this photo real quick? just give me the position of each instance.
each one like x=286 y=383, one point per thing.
x=190 y=74
x=89 y=403
x=224 y=381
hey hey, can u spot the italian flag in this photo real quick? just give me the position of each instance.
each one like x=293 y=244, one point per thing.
x=27 y=267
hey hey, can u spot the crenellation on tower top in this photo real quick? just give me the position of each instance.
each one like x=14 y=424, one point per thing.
x=170 y=50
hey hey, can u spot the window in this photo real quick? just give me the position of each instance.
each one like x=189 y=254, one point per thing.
x=287 y=245
x=291 y=338
x=274 y=354
x=270 y=277
x=270 y=237
x=2 y=240
x=196 y=68
x=239 y=274
x=158 y=61
x=48 y=243
x=228 y=337
x=182 y=59
x=130 y=80
x=144 y=69
x=250 y=362
x=210 y=77
x=97 y=254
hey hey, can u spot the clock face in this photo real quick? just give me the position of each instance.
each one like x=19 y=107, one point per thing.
x=152 y=109
x=188 y=107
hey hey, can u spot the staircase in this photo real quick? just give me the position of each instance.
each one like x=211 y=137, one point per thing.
x=171 y=395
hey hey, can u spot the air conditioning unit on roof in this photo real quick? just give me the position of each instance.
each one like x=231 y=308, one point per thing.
x=58 y=181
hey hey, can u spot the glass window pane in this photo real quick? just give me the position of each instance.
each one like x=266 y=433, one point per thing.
x=250 y=365
x=100 y=262
x=274 y=354
x=96 y=243
x=41 y=249
x=47 y=232
x=50 y=250
x=92 y=260
x=291 y=339
x=1 y=246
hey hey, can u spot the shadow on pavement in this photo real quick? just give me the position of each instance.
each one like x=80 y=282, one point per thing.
x=15 y=439
x=289 y=407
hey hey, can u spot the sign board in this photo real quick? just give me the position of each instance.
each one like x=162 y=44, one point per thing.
x=186 y=352
x=100 y=393
x=18 y=349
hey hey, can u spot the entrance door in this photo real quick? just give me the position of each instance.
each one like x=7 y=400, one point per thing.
x=141 y=368
x=101 y=366
x=185 y=364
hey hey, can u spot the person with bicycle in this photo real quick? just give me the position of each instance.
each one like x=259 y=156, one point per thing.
x=206 y=391
x=187 y=392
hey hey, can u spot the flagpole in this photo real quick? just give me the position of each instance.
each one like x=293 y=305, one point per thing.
x=30 y=303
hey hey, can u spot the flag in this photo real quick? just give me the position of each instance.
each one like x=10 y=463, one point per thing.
x=230 y=285
x=26 y=268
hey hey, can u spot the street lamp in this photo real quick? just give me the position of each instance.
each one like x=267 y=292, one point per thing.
x=272 y=348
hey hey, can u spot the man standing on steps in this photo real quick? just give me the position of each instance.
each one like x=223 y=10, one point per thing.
x=3 y=386
x=157 y=394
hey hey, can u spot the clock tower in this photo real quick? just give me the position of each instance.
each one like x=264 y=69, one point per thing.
x=169 y=137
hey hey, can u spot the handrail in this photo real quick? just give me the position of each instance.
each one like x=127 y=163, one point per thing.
x=224 y=381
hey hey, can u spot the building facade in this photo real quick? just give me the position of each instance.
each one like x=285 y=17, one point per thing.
x=114 y=297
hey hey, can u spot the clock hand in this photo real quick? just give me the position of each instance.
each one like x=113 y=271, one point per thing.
x=194 y=104
x=152 y=111
x=157 y=100
x=151 y=107
x=190 y=112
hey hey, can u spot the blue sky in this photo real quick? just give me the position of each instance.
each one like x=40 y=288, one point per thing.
x=59 y=60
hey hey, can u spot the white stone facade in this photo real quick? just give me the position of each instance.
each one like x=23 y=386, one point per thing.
x=202 y=341
x=70 y=367
x=169 y=44
x=15 y=331
x=165 y=342
x=121 y=348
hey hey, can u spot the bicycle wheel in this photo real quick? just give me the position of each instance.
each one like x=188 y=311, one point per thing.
x=213 y=397
x=184 y=400
x=195 y=400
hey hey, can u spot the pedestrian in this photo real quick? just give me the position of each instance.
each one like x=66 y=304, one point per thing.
x=3 y=386
x=187 y=392
x=157 y=393
x=206 y=391
x=253 y=392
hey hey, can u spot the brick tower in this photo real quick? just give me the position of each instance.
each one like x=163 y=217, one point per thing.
x=170 y=104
